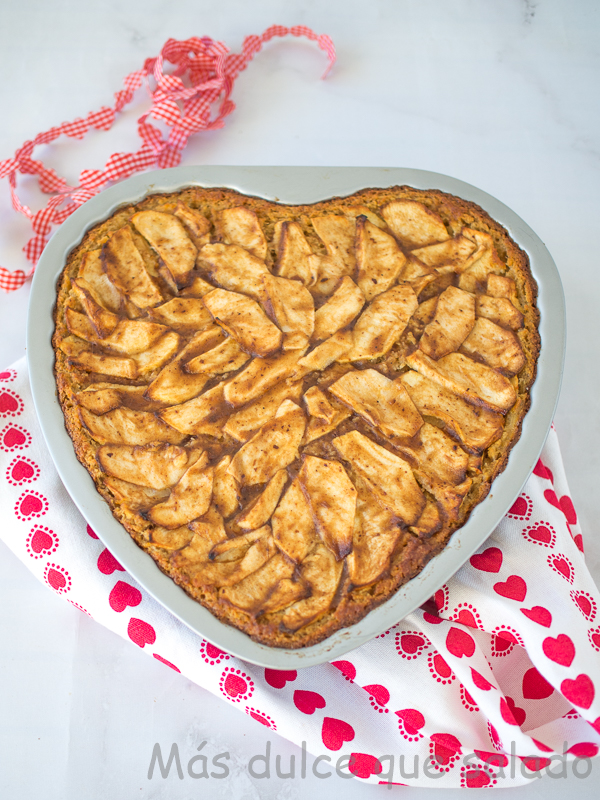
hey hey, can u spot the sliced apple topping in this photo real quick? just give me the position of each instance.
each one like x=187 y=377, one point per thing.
x=291 y=306
x=321 y=570
x=326 y=353
x=293 y=525
x=449 y=497
x=243 y=423
x=453 y=321
x=389 y=478
x=429 y=522
x=436 y=453
x=498 y=347
x=245 y=320
x=126 y=269
x=234 y=268
x=99 y=398
x=128 y=426
x=174 y=384
x=379 y=259
x=226 y=496
x=226 y=356
x=104 y=321
x=332 y=499
x=501 y=286
x=259 y=376
x=318 y=405
x=339 y=310
x=240 y=226
x=168 y=237
x=104 y=365
x=236 y=548
x=174 y=539
x=379 y=401
x=259 y=512
x=201 y=415
x=499 y=310
x=195 y=223
x=251 y=593
x=376 y=532
x=337 y=234
x=157 y=466
x=413 y=224
x=197 y=288
x=293 y=252
x=475 y=427
x=481 y=263
x=382 y=323
x=189 y=498
x=317 y=426
x=207 y=532
x=453 y=251
x=132 y=497
x=105 y=293
x=272 y=448
x=183 y=314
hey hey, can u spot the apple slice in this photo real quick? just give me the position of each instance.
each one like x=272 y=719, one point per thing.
x=259 y=376
x=102 y=290
x=259 y=512
x=322 y=572
x=157 y=466
x=245 y=320
x=190 y=497
x=382 y=323
x=226 y=496
x=126 y=269
x=128 y=426
x=240 y=226
x=234 y=268
x=293 y=253
x=339 y=311
x=453 y=321
x=379 y=259
x=183 y=314
x=498 y=347
x=293 y=525
x=291 y=306
x=168 y=237
x=413 y=224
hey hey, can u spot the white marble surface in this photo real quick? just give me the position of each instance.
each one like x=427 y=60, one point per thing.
x=502 y=95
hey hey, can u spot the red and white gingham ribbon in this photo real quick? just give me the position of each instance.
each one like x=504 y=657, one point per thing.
x=204 y=74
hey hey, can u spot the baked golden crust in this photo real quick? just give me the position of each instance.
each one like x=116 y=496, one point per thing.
x=291 y=408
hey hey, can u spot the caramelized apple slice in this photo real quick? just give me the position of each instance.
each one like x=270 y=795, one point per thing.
x=151 y=360
x=474 y=427
x=389 y=478
x=453 y=251
x=293 y=252
x=157 y=466
x=104 y=365
x=498 y=347
x=195 y=223
x=190 y=497
x=376 y=532
x=129 y=337
x=499 y=310
x=337 y=234
x=174 y=385
x=382 y=323
x=203 y=414
x=379 y=401
x=242 y=424
x=236 y=548
x=475 y=382
x=183 y=314
x=126 y=269
x=174 y=539
x=414 y=224
x=449 y=497
x=254 y=591
x=326 y=353
x=322 y=572
x=318 y=405
x=453 y=321
x=259 y=512
x=332 y=499
x=293 y=525
x=501 y=286
x=272 y=448
x=379 y=259
x=481 y=263
x=234 y=268
x=226 y=356
x=127 y=426
x=240 y=226
x=169 y=239
x=318 y=427
x=245 y=320
x=104 y=321
x=259 y=376
x=292 y=307
x=132 y=497
x=339 y=311
x=226 y=496
x=99 y=398
x=437 y=454
x=197 y=288
x=102 y=290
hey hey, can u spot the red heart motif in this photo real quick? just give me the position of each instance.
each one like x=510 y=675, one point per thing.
x=538 y=614
x=90 y=532
x=107 y=563
x=412 y=719
x=411 y=643
x=580 y=691
x=594 y=637
x=440 y=666
x=579 y=542
x=535 y=686
x=514 y=588
x=432 y=619
x=535 y=763
x=13 y=437
x=363 y=765
x=465 y=617
x=596 y=724
x=22 y=471
x=379 y=693
x=476 y=778
x=551 y=497
x=460 y=643
x=30 y=504
x=501 y=643
x=41 y=541
x=561 y=565
x=164 y=661
x=347 y=669
x=445 y=747
x=480 y=681
x=492 y=759
x=308 y=702
x=568 y=509
x=540 y=533
x=214 y=652
x=4 y=375
x=235 y=685
x=511 y=713
x=520 y=508
x=277 y=678
x=9 y=404
x=123 y=595
x=140 y=632
x=584 y=604
x=584 y=750
x=335 y=732
x=542 y=471
x=488 y=561
x=56 y=579
x=259 y=718
x=560 y=650
x=440 y=599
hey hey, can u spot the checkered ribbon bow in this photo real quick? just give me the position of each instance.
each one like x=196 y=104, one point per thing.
x=195 y=96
